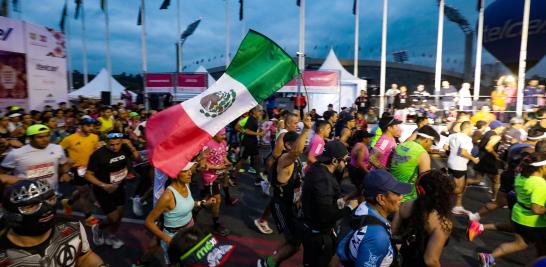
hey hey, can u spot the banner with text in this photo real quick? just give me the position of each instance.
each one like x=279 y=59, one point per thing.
x=318 y=82
x=159 y=82
x=191 y=83
x=13 y=73
x=46 y=66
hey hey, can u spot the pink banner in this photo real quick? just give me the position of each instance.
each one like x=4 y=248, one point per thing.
x=315 y=82
x=159 y=82
x=191 y=83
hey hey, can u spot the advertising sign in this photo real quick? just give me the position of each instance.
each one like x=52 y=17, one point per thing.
x=325 y=82
x=13 y=73
x=46 y=66
x=159 y=82
x=191 y=83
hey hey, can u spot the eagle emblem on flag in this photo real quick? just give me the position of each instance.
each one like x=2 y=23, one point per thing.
x=217 y=103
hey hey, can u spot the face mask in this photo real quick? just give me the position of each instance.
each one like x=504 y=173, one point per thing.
x=29 y=225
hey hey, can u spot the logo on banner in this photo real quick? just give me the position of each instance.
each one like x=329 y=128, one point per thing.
x=217 y=103
x=46 y=67
x=4 y=33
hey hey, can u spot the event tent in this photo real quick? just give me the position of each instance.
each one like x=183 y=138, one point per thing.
x=349 y=86
x=211 y=80
x=100 y=83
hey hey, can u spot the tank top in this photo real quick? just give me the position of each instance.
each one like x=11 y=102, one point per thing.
x=287 y=192
x=405 y=165
x=182 y=212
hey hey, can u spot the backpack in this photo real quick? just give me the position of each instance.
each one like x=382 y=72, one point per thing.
x=358 y=222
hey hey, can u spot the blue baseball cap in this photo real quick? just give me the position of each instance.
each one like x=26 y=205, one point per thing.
x=381 y=182
x=496 y=124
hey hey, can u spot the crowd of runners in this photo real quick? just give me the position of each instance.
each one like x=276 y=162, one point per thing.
x=399 y=211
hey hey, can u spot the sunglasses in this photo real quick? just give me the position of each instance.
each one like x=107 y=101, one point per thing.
x=114 y=135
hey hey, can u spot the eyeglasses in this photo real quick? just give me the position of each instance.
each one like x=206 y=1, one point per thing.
x=33 y=208
x=114 y=135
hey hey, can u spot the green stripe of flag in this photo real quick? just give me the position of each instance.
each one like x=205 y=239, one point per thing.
x=262 y=66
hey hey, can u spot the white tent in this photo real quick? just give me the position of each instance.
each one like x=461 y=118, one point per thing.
x=211 y=80
x=100 y=83
x=349 y=86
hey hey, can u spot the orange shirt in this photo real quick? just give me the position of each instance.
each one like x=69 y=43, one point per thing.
x=498 y=99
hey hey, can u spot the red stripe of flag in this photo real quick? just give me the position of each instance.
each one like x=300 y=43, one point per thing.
x=167 y=135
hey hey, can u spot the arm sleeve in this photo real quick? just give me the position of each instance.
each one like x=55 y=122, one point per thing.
x=375 y=248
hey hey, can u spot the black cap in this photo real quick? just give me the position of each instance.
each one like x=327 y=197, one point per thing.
x=333 y=150
x=387 y=121
x=348 y=118
x=380 y=181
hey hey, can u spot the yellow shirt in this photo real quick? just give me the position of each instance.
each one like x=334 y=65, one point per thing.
x=106 y=125
x=481 y=116
x=80 y=148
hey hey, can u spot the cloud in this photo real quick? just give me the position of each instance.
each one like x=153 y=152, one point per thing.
x=329 y=24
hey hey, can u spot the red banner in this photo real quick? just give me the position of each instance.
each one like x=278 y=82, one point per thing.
x=159 y=82
x=315 y=82
x=191 y=83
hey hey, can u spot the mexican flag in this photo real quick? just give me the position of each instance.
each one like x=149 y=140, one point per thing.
x=178 y=133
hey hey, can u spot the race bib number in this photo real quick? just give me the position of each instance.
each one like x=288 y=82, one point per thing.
x=403 y=101
x=118 y=176
x=81 y=171
x=41 y=171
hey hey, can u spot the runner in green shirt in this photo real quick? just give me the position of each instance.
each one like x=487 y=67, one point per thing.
x=529 y=212
x=410 y=159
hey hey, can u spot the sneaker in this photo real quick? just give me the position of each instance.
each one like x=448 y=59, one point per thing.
x=261 y=263
x=263 y=226
x=114 y=242
x=459 y=210
x=66 y=207
x=241 y=170
x=98 y=239
x=474 y=229
x=137 y=206
x=90 y=221
x=486 y=259
x=266 y=186
x=251 y=170
x=263 y=176
x=222 y=231
x=474 y=216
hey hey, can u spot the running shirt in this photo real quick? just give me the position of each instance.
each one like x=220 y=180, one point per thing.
x=80 y=147
x=316 y=147
x=405 y=165
x=369 y=245
x=385 y=145
x=378 y=133
x=66 y=244
x=182 y=212
x=217 y=153
x=354 y=155
x=33 y=163
x=529 y=190
x=105 y=124
x=458 y=141
x=108 y=166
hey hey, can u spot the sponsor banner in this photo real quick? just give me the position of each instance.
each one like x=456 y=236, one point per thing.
x=191 y=83
x=320 y=82
x=46 y=66
x=11 y=35
x=159 y=82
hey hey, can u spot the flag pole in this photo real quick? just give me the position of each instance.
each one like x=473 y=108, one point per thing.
x=301 y=49
x=108 y=57
x=383 y=72
x=144 y=49
x=178 y=39
x=438 y=72
x=84 y=45
x=357 y=13
x=68 y=57
x=227 y=34
x=479 y=40
x=523 y=56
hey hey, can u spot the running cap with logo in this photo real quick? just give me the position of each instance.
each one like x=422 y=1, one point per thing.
x=133 y=114
x=37 y=129
x=387 y=121
x=380 y=181
x=428 y=132
x=189 y=165
x=496 y=124
x=89 y=121
x=333 y=150
x=13 y=115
